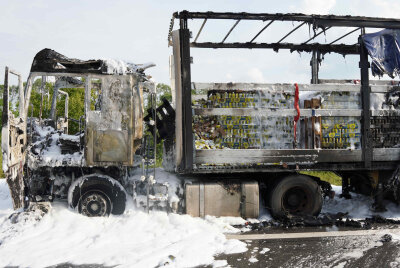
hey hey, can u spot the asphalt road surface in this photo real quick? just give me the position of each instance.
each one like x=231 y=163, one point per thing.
x=312 y=247
x=319 y=247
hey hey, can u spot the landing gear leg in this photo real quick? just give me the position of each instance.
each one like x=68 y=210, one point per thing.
x=378 y=205
x=345 y=188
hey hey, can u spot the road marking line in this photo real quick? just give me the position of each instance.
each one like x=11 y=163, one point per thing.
x=312 y=234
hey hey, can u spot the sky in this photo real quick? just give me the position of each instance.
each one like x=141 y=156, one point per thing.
x=137 y=31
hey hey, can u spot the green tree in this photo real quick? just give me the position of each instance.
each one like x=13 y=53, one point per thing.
x=75 y=103
x=163 y=91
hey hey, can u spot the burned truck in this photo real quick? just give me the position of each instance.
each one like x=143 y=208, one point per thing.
x=235 y=146
x=43 y=162
x=267 y=135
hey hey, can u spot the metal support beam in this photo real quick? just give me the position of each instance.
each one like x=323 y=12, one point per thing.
x=233 y=27
x=323 y=31
x=262 y=30
x=201 y=29
x=4 y=116
x=345 y=188
x=42 y=88
x=292 y=31
x=322 y=48
x=365 y=97
x=318 y=21
x=187 y=133
x=315 y=60
x=343 y=36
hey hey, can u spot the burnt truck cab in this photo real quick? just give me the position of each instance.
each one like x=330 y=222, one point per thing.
x=42 y=161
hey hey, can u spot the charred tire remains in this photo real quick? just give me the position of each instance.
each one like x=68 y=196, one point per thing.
x=97 y=196
x=295 y=195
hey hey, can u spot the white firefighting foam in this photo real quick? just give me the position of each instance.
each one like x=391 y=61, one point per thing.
x=134 y=239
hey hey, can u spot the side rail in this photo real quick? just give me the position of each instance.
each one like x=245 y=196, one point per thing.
x=248 y=124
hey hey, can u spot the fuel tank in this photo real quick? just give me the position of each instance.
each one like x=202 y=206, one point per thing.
x=222 y=198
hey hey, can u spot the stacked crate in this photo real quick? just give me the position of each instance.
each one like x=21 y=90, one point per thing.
x=246 y=132
x=341 y=132
x=232 y=99
x=385 y=131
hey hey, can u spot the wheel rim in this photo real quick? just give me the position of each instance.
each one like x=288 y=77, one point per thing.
x=94 y=204
x=296 y=200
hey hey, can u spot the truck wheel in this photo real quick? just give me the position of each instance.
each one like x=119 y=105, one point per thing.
x=96 y=196
x=296 y=195
x=94 y=203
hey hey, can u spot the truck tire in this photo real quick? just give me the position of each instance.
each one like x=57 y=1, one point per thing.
x=295 y=195
x=94 y=203
x=96 y=196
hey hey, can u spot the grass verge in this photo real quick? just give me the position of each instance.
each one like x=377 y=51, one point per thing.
x=328 y=176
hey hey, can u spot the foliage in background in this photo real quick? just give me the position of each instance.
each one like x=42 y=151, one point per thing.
x=75 y=104
x=327 y=176
x=163 y=91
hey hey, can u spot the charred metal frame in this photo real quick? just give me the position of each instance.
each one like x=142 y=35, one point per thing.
x=187 y=134
x=13 y=144
x=367 y=151
x=323 y=22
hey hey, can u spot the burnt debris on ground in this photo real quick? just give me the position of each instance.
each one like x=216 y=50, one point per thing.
x=339 y=219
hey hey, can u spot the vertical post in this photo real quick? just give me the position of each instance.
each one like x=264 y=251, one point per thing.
x=345 y=187
x=43 y=85
x=53 y=110
x=365 y=102
x=187 y=132
x=88 y=88
x=21 y=98
x=5 y=100
x=314 y=63
x=316 y=131
x=176 y=45
x=313 y=103
x=66 y=106
x=307 y=105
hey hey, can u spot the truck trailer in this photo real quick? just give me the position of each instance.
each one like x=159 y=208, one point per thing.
x=235 y=146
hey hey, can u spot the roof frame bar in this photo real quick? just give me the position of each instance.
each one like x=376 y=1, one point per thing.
x=262 y=30
x=323 y=48
x=318 y=21
x=292 y=31
x=315 y=35
x=201 y=29
x=343 y=36
x=324 y=22
x=233 y=27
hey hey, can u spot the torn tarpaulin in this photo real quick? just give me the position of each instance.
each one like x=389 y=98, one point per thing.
x=48 y=60
x=384 y=49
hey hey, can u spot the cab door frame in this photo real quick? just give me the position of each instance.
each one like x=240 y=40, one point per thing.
x=14 y=140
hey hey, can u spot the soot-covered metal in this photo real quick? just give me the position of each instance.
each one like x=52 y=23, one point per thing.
x=42 y=159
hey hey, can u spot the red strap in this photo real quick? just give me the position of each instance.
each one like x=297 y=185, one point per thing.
x=297 y=107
